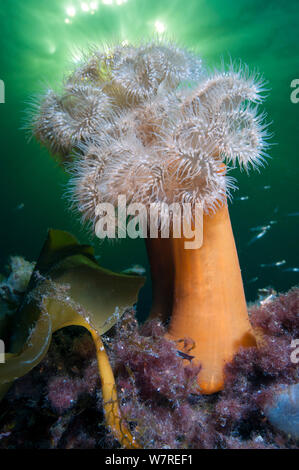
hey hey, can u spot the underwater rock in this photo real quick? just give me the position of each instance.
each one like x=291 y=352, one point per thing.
x=283 y=411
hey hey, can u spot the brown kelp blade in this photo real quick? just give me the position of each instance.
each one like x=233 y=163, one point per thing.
x=67 y=287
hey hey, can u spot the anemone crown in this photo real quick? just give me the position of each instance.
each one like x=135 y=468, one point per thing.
x=151 y=123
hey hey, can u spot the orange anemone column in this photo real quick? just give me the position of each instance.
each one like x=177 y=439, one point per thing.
x=201 y=292
x=209 y=303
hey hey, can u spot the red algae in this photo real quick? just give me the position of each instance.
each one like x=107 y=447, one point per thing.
x=58 y=404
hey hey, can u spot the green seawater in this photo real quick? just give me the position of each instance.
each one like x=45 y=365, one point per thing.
x=39 y=42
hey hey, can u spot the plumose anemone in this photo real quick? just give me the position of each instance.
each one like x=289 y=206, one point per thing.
x=149 y=122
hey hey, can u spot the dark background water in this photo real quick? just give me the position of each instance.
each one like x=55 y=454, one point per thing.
x=39 y=41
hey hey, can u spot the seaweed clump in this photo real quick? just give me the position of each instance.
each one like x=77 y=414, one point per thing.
x=67 y=288
x=255 y=374
x=54 y=404
x=158 y=393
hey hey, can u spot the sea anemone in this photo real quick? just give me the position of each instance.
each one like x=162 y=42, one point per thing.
x=150 y=123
